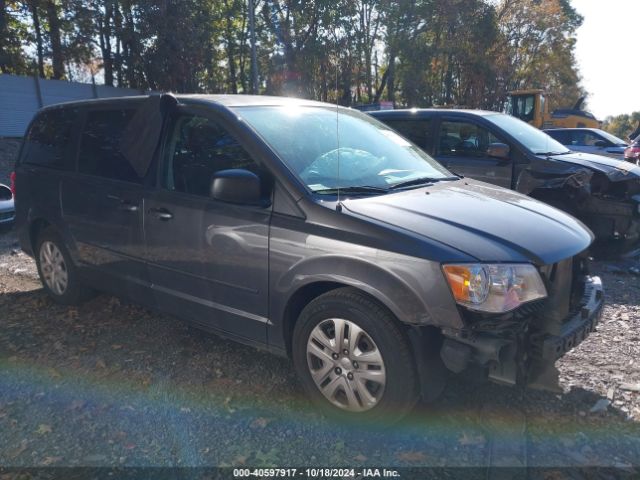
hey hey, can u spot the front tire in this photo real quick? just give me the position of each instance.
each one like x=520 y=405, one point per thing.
x=353 y=359
x=56 y=269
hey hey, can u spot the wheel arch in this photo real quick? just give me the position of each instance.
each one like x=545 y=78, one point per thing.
x=38 y=223
x=309 y=292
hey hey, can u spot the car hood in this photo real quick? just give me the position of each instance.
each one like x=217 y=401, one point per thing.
x=487 y=222
x=616 y=170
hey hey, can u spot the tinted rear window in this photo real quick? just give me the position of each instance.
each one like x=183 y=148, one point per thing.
x=418 y=131
x=48 y=141
x=100 y=152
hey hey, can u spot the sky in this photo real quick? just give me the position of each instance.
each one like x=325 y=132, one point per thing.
x=606 y=49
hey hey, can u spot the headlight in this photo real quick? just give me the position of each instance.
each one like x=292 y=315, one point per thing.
x=495 y=288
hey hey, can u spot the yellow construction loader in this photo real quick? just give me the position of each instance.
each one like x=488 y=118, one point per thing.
x=531 y=106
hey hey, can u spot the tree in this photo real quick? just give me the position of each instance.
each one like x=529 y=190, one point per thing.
x=13 y=38
x=621 y=125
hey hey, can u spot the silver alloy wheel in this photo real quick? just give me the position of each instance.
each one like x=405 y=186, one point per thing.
x=54 y=268
x=346 y=365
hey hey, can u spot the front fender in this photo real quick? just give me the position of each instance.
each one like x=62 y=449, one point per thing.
x=414 y=290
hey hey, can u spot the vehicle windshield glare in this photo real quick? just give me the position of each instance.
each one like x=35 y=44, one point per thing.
x=533 y=139
x=329 y=149
x=612 y=138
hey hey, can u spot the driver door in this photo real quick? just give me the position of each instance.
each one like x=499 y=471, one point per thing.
x=208 y=259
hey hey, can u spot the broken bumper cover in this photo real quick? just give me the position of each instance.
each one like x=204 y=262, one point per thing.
x=613 y=219
x=576 y=328
x=527 y=357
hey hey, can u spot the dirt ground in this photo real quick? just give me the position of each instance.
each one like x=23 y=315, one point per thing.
x=111 y=384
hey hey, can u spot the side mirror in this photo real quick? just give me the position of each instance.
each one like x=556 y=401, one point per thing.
x=499 y=150
x=236 y=186
x=601 y=143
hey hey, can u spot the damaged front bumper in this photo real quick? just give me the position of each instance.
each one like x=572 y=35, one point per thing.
x=526 y=355
x=611 y=219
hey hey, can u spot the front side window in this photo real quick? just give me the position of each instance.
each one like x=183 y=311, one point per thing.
x=464 y=139
x=49 y=137
x=582 y=138
x=329 y=148
x=197 y=149
x=100 y=146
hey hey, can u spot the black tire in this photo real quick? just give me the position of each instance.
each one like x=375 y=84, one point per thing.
x=75 y=292
x=400 y=392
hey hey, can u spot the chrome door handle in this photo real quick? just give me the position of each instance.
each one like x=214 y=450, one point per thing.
x=161 y=213
x=128 y=207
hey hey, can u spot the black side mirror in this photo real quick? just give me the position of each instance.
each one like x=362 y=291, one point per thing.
x=601 y=143
x=236 y=186
x=500 y=151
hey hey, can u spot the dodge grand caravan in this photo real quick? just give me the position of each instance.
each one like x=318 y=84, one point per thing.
x=602 y=192
x=313 y=231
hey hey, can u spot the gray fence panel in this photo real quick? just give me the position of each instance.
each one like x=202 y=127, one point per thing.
x=58 y=91
x=19 y=99
x=108 y=92
x=18 y=103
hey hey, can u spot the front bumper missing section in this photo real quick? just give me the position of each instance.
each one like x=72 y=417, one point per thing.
x=527 y=357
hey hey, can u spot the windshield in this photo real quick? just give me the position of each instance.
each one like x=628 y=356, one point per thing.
x=532 y=138
x=344 y=149
x=612 y=138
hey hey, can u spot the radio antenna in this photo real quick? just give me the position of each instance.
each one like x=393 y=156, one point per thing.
x=339 y=204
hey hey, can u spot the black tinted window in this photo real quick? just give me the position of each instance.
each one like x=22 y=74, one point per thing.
x=100 y=152
x=198 y=148
x=562 y=137
x=48 y=140
x=418 y=131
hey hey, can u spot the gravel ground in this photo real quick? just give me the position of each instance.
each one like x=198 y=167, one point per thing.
x=111 y=384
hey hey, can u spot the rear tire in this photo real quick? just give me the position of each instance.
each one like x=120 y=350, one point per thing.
x=352 y=358
x=58 y=274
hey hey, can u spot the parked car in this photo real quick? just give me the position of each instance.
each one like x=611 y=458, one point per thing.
x=590 y=140
x=368 y=263
x=632 y=152
x=602 y=192
x=7 y=209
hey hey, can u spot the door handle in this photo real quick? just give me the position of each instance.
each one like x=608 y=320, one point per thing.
x=128 y=207
x=161 y=213
x=124 y=205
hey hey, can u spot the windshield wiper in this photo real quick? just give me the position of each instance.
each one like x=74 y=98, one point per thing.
x=354 y=190
x=420 y=181
x=552 y=153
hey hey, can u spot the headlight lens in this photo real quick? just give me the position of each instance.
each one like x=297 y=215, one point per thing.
x=494 y=288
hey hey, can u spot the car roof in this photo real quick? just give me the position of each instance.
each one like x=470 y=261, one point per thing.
x=228 y=101
x=567 y=129
x=414 y=111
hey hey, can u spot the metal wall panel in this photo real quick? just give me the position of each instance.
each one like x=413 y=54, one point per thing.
x=20 y=100
x=59 y=91
x=18 y=103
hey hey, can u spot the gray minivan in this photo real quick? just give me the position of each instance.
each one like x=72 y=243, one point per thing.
x=313 y=231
